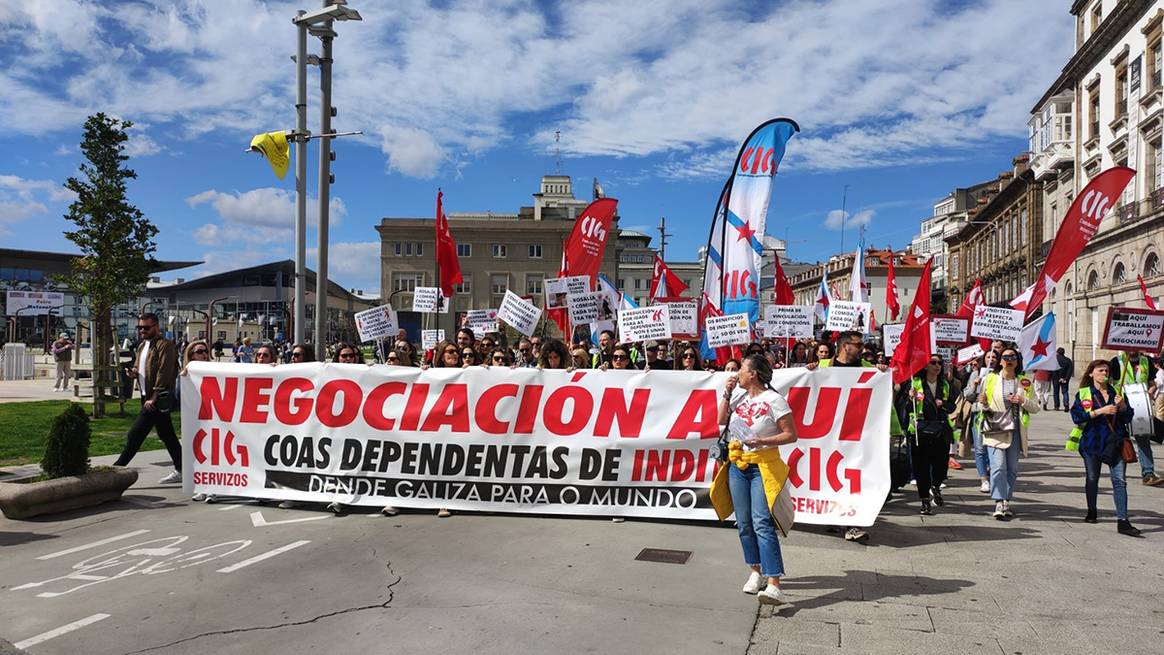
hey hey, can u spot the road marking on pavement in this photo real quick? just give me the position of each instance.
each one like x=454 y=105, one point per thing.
x=258 y=521
x=70 y=551
x=258 y=558
x=230 y=507
x=64 y=629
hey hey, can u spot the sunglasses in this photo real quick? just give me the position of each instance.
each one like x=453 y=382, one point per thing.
x=393 y=359
x=347 y=355
x=1010 y=358
x=468 y=353
x=524 y=350
x=688 y=356
x=201 y=351
x=145 y=327
x=935 y=363
x=264 y=355
x=297 y=355
x=619 y=357
x=498 y=358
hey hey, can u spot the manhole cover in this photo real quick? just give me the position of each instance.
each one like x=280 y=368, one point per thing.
x=663 y=555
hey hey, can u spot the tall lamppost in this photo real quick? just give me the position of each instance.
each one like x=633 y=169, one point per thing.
x=319 y=24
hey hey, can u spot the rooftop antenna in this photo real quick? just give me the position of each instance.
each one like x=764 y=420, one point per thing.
x=557 y=152
x=663 y=234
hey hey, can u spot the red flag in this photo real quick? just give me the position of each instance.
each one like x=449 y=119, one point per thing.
x=587 y=241
x=913 y=352
x=672 y=286
x=891 y=292
x=972 y=299
x=783 y=294
x=1147 y=298
x=1079 y=225
x=446 y=252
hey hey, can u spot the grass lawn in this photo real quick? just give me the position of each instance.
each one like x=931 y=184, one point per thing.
x=24 y=427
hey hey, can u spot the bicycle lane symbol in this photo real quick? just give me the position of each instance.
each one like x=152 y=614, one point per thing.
x=153 y=557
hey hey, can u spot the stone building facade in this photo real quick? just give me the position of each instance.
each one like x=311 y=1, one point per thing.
x=907 y=270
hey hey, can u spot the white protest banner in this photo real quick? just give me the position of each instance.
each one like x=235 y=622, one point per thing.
x=845 y=315
x=999 y=323
x=558 y=290
x=684 y=319
x=376 y=323
x=891 y=336
x=950 y=329
x=728 y=330
x=430 y=338
x=481 y=321
x=585 y=307
x=519 y=313
x=428 y=300
x=644 y=324
x=791 y=321
x=968 y=354
x=1134 y=330
x=33 y=303
x=618 y=443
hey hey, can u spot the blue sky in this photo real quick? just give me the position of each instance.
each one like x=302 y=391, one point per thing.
x=898 y=99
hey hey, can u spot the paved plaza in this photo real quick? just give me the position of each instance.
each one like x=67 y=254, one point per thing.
x=155 y=573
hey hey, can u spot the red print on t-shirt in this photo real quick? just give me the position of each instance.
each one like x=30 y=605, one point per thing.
x=752 y=411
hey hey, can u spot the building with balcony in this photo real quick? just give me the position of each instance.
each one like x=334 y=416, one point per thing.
x=1000 y=239
x=949 y=216
x=636 y=268
x=1110 y=93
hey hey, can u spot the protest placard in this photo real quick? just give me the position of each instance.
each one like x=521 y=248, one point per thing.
x=519 y=313
x=482 y=321
x=558 y=290
x=684 y=319
x=728 y=330
x=968 y=354
x=428 y=300
x=376 y=323
x=891 y=336
x=1134 y=330
x=950 y=329
x=793 y=321
x=845 y=315
x=644 y=323
x=586 y=307
x=1001 y=323
x=430 y=338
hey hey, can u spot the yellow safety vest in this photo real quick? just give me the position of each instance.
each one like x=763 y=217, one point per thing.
x=915 y=411
x=1127 y=377
x=1076 y=434
x=992 y=381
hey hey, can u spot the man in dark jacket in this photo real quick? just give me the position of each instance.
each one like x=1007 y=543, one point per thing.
x=1061 y=380
x=155 y=367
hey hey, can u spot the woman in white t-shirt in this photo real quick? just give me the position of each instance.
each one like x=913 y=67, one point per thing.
x=761 y=421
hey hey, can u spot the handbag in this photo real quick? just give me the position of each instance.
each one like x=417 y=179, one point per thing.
x=1128 y=451
x=783 y=510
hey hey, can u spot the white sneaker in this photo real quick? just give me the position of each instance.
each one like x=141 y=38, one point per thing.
x=335 y=508
x=984 y=487
x=389 y=510
x=618 y=519
x=942 y=486
x=290 y=504
x=771 y=595
x=755 y=581
x=1006 y=511
x=912 y=483
x=999 y=512
x=198 y=498
x=174 y=476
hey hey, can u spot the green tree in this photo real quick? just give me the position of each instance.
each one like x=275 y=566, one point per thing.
x=114 y=237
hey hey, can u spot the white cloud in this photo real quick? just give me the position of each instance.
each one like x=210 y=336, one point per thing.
x=260 y=215
x=141 y=144
x=352 y=264
x=874 y=83
x=22 y=198
x=837 y=219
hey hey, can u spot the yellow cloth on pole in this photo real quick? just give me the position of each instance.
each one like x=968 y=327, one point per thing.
x=773 y=473
x=273 y=146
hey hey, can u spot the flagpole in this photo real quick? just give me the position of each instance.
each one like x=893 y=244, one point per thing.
x=436 y=262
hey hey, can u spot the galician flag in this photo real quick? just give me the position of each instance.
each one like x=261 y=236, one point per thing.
x=1037 y=344
x=823 y=298
x=858 y=283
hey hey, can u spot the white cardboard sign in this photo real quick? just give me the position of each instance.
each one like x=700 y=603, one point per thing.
x=950 y=329
x=587 y=307
x=430 y=338
x=794 y=321
x=968 y=354
x=482 y=321
x=684 y=318
x=559 y=289
x=644 y=323
x=891 y=336
x=728 y=330
x=1134 y=330
x=376 y=323
x=519 y=313
x=845 y=315
x=428 y=300
x=997 y=323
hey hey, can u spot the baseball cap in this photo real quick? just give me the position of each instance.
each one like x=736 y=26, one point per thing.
x=64 y=335
x=651 y=345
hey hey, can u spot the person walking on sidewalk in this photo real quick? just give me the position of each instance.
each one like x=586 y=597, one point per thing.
x=1135 y=368
x=1101 y=417
x=928 y=402
x=1008 y=399
x=975 y=385
x=1061 y=380
x=759 y=422
x=155 y=369
x=63 y=356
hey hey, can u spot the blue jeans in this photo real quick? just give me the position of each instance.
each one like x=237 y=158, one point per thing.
x=754 y=519
x=981 y=459
x=1119 y=486
x=1061 y=389
x=1004 y=466
x=1144 y=454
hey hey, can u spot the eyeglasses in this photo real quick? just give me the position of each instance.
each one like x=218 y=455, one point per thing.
x=468 y=353
x=1010 y=358
x=523 y=350
x=145 y=327
x=264 y=355
x=688 y=355
x=935 y=362
x=393 y=358
x=201 y=351
x=618 y=357
x=297 y=354
x=347 y=355
x=498 y=358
